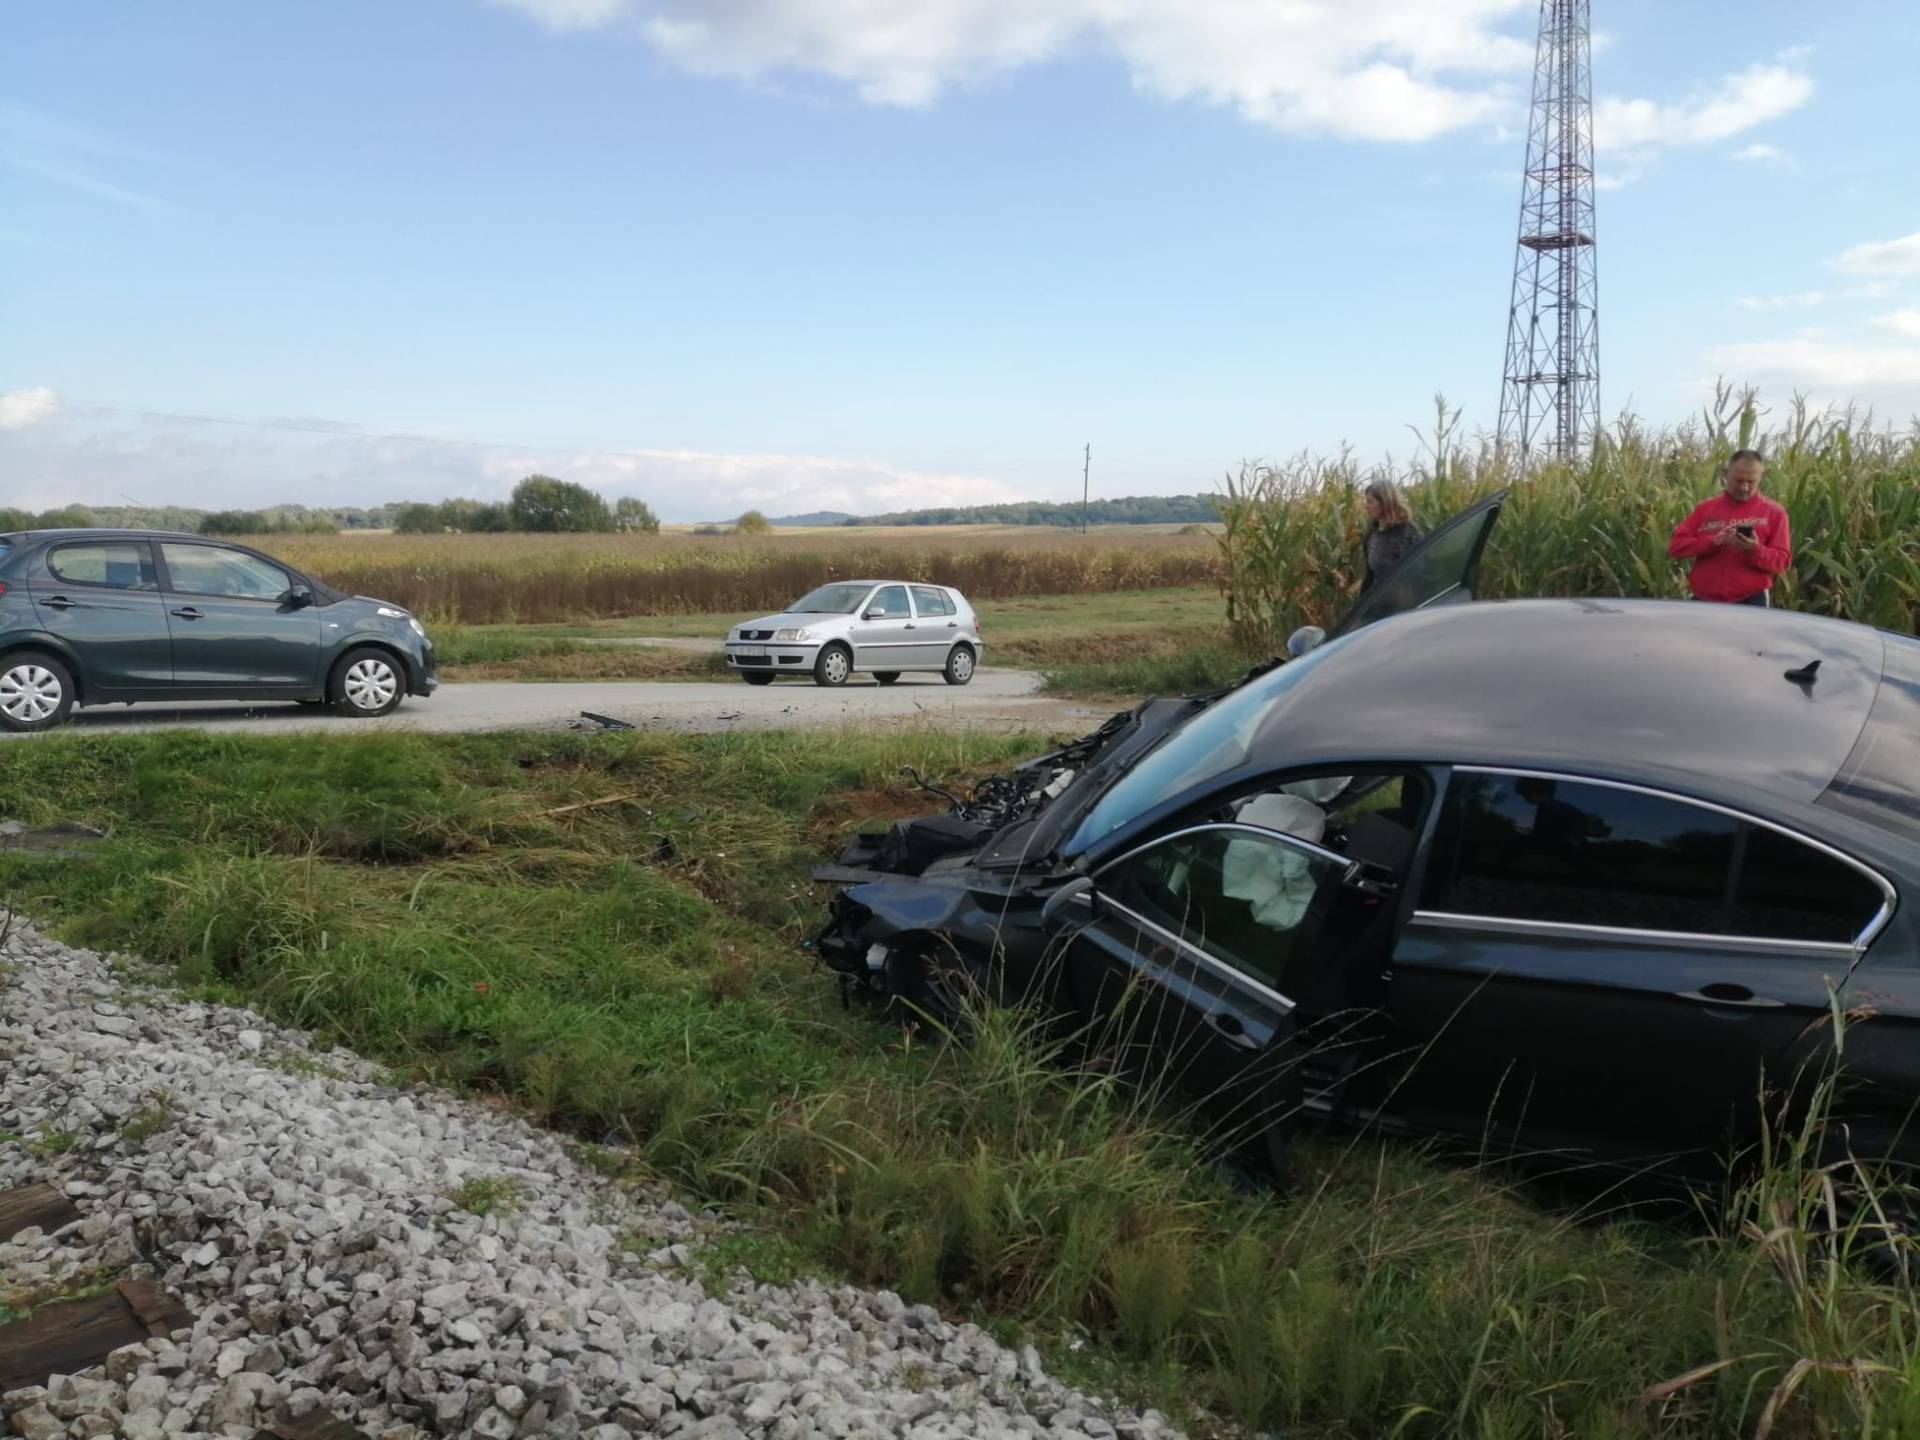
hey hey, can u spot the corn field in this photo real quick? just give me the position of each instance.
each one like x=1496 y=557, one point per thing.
x=1293 y=534
x=533 y=579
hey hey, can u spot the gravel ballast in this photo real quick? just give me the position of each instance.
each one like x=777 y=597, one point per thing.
x=305 y=1212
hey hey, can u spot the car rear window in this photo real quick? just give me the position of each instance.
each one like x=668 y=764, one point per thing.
x=930 y=600
x=117 y=564
x=1520 y=847
x=1880 y=780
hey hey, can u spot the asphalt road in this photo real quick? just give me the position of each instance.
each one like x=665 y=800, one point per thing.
x=996 y=700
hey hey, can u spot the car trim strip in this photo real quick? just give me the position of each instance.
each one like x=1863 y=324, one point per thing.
x=1230 y=973
x=1889 y=897
x=1260 y=831
x=1449 y=920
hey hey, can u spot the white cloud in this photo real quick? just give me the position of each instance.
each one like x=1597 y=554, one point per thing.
x=1886 y=375
x=1902 y=322
x=1733 y=104
x=21 y=408
x=1799 y=300
x=55 y=454
x=1884 y=257
x=1367 y=69
x=1761 y=153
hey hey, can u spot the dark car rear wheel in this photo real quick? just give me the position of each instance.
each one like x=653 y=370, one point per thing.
x=834 y=666
x=959 y=665
x=366 y=683
x=36 y=692
x=756 y=677
x=886 y=677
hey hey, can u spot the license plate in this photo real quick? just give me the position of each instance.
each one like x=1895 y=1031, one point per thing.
x=752 y=650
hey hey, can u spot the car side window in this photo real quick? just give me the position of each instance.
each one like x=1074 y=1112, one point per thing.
x=117 y=564
x=1518 y=847
x=889 y=603
x=1791 y=891
x=1372 y=816
x=931 y=601
x=1250 y=899
x=216 y=570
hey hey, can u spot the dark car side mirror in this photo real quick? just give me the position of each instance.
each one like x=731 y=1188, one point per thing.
x=299 y=597
x=1073 y=903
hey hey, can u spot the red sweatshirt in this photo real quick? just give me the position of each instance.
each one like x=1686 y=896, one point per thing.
x=1726 y=572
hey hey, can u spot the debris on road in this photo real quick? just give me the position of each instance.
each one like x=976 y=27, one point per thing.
x=605 y=722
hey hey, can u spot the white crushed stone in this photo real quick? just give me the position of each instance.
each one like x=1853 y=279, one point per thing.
x=299 y=1208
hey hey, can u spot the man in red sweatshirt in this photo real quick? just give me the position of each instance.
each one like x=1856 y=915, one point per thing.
x=1738 y=541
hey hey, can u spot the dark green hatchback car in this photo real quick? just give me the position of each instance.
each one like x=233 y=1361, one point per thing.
x=112 y=617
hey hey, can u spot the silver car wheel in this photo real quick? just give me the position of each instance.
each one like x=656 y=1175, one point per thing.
x=837 y=666
x=29 y=694
x=370 y=684
x=962 y=664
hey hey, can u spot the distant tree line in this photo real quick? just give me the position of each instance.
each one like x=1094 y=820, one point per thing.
x=1130 y=510
x=538 y=503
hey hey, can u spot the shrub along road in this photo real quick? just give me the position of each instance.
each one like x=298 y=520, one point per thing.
x=996 y=700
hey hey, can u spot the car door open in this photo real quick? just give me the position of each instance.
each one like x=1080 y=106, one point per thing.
x=1183 y=952
x=1443 y=569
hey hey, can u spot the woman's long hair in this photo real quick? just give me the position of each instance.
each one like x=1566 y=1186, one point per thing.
x=1393 y=504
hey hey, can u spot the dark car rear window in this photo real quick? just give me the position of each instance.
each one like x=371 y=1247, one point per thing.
x=1879 y=781
x=1522 y=847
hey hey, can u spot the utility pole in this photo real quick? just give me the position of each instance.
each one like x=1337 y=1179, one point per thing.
x=1550 y=393
x=1086 y=480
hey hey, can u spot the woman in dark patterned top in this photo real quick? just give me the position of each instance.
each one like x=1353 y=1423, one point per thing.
x=1391 y=532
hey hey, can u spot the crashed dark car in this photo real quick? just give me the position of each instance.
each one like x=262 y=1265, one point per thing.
x=1584 y=877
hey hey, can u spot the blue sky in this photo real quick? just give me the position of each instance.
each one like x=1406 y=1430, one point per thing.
x=866 y=254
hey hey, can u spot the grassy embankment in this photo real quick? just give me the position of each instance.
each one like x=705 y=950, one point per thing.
x=629 y=969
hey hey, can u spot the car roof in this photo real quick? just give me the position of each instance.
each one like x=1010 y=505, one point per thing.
x=101 y=532
x=1685 y=695
x=923 y=584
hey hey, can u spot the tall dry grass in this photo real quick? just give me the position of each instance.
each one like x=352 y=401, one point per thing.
x=533 y=579
x=1293 y=531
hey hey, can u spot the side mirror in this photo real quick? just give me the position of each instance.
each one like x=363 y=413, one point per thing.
x=299 y=597
x=1072 y=901
x=1307 y=637
x=874 y=615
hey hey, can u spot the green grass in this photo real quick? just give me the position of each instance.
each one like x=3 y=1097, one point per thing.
x=151 y=1119
x=489 y=1195
x=630 y=971
x=470 y=652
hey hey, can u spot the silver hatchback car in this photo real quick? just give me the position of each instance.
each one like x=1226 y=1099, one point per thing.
x=884 y=628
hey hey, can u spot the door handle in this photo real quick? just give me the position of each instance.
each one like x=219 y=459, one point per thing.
x=953 y=624
x=1721 y=993
x=60 y=602
x=187 y=612
x=909 y=625
x=1229 y=1028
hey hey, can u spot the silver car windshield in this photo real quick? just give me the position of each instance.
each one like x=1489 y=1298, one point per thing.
x=830 y=600
x=1209 y=745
